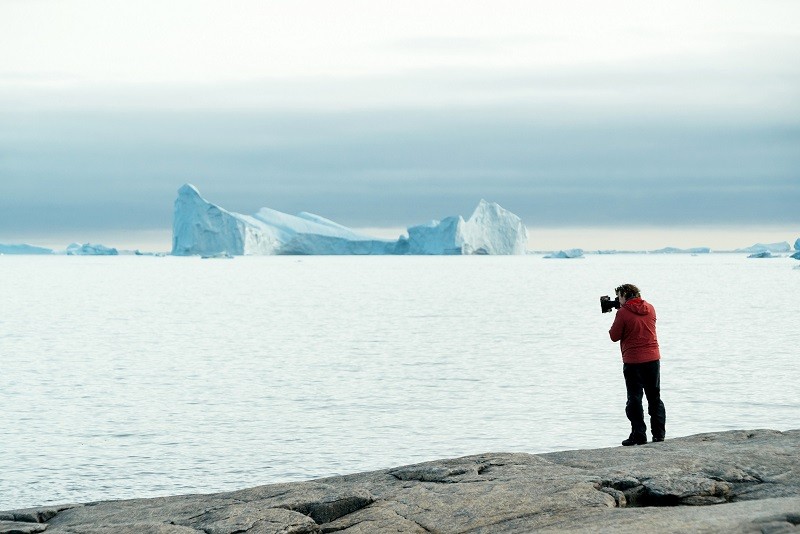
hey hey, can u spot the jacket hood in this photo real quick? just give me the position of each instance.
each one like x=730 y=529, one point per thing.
x=638 y=306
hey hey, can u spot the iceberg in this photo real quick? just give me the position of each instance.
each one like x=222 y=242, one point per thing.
x=762 y=254
x=566 y=254
x=220 y=256
x=24 y=249
x=90 y=249
x=205 y=229
x=797 y=244
x=783 y=246
x=796 y=255
x=489 y=230
x=673 y=250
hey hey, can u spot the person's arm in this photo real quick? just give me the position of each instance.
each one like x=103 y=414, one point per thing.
x=617 y=327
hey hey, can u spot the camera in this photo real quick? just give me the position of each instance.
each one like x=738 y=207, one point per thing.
x=606 y=304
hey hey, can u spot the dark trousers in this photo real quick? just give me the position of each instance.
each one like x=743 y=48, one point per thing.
x=644 y=377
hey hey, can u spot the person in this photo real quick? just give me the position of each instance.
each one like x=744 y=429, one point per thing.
x=635 y=328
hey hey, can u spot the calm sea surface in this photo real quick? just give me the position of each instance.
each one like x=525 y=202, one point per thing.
x=142 y=376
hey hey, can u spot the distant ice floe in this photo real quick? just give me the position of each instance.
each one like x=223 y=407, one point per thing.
x=74 y=249
x=205 y=229
x=571 y=253
x=673 y=250
x=764 y=254
x=220 y=256
x=783 y=246
x=24 y=249
x=90 y=249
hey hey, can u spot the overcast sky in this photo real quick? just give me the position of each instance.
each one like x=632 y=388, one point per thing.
x=628 y=115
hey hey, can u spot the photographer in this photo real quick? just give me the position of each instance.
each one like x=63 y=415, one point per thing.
x=635 y=327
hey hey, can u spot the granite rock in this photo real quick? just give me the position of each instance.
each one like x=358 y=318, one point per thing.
x=736 y=481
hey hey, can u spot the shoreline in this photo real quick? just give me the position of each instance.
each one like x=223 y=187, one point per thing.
x=733 y=481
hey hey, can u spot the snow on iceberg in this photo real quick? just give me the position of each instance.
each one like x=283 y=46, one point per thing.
x=90 y=249
x=24 y=249
x=203 y=228
x=566 y=254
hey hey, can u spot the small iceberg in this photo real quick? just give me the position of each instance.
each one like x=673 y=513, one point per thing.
x=220 y=256
x=764 y=254
x=674 y=250
x=90 y=249
x=24 y=249
x=783 y=246
x=571 y=253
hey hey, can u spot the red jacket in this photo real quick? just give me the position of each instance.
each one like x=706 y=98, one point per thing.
x=635 y=326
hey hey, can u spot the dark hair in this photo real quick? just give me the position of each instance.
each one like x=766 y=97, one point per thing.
x=629 y=291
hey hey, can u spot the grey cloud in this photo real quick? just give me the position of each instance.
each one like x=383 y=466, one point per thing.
x=377 y=168
x=754 y=78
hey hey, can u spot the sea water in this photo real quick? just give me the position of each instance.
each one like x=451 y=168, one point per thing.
x=135 y=376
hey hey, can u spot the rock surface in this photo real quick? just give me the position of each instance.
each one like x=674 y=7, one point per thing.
x=737 y=481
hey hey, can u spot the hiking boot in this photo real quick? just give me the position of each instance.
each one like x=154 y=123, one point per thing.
x=656 y=440
x=634 y=439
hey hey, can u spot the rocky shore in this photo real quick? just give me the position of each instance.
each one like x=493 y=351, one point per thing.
x=737 y=481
